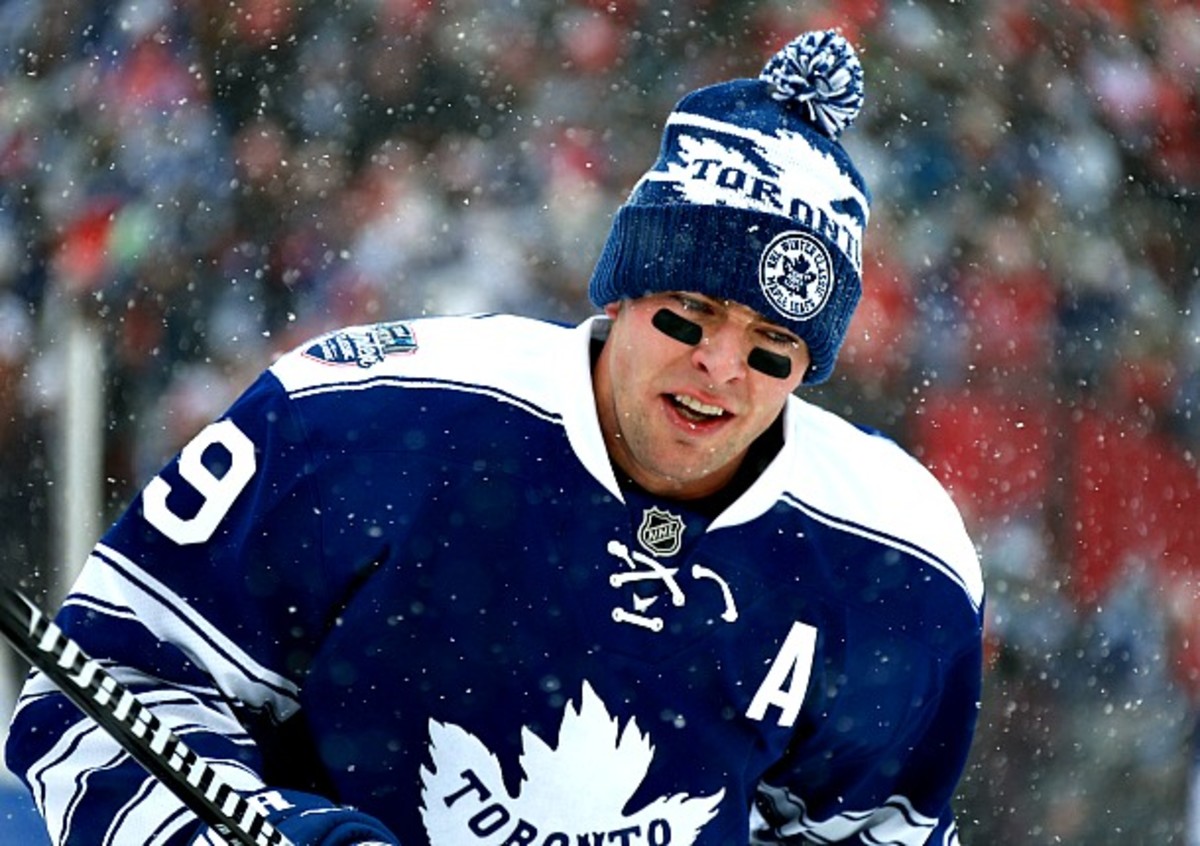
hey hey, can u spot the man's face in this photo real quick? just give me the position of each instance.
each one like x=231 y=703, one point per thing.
x=679 y=415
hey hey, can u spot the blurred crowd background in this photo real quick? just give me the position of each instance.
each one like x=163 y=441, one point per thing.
x=208 y=183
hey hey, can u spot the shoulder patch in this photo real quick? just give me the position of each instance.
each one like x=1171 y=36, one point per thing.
x=363 y=346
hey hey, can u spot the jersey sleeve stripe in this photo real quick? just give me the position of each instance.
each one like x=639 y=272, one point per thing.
x=39 y=688
x=139 y=798
x=169 y=826
x=85 y=751
x=168 y=617
x=152 y=816
x=80 y=751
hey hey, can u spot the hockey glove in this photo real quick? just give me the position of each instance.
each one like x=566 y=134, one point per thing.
x=310 y=820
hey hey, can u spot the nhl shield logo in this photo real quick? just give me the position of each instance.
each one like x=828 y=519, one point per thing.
x=796 y=274
x=661 y=532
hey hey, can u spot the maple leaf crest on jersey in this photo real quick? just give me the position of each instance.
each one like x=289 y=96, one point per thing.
x=577 y=792
x=363 y=346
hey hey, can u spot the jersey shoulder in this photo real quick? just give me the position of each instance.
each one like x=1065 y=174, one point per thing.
x=503 y=355
x=862 y=481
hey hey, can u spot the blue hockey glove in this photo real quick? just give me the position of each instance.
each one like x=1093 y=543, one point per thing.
x=310 y=820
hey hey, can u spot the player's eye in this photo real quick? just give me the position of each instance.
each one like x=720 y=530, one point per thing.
x=692 y=304
x=782 y=339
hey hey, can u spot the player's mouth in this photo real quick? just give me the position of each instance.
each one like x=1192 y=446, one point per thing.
x=694 y=411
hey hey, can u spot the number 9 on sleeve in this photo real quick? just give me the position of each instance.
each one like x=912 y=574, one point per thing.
x=218 y=492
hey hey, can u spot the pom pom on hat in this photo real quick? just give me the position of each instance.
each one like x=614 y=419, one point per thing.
x=752 y=199
x=821 y=71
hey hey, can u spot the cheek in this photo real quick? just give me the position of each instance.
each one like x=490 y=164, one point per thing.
x=770 y=396
x=654 y=354
x=633 y=370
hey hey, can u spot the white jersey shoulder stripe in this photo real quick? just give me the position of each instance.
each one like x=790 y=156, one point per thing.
x=504 y=354
x=888 y=540
x=865 y=483
x=539 y=367
x=418 y=383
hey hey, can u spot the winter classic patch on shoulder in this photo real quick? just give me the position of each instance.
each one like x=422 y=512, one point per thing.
x=363 y=346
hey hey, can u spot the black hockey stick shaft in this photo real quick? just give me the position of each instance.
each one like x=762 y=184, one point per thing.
x=192 y=779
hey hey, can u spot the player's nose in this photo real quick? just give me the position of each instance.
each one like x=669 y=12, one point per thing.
x=722 y=353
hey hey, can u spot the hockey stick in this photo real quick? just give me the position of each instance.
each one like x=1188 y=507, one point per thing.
x=133 y=725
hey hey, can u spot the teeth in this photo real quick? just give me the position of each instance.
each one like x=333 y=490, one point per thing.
x=695 y=405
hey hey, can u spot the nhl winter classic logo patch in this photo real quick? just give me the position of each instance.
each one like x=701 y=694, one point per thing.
x=796 y=274
x=364 y=346
x=661 y=532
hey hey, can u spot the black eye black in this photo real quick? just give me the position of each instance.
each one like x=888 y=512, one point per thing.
x=770 y=363
x=677 y=327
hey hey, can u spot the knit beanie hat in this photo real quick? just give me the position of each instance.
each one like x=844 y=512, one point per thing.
x=753 y=200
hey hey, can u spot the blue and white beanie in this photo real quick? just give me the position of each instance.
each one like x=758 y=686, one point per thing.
x=753 y=200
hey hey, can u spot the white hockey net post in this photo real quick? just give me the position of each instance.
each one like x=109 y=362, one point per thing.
x=77 y=468
x=78 y=498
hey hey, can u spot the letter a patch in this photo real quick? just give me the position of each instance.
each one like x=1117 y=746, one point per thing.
x=787 y=679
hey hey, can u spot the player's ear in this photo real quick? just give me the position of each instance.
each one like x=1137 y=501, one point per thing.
x=612 y=309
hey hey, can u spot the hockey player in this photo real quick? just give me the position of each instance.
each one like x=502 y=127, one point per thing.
x=487 y=580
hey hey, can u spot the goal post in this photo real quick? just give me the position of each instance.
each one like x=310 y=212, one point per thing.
x=78 y=500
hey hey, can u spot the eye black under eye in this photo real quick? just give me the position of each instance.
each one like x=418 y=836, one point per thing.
x=679 y=328
x=770 y=363
x=686 y=332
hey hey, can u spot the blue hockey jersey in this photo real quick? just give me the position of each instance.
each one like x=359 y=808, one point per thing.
x=401 y=573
